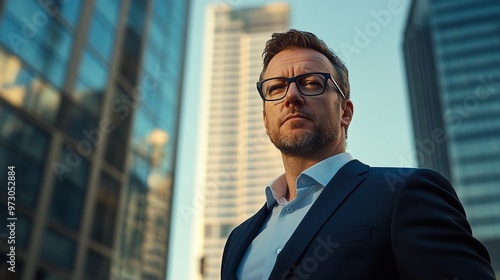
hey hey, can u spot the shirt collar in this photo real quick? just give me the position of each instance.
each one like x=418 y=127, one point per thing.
x=322 y=172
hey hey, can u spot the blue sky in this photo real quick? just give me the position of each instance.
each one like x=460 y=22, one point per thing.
x=367 y=35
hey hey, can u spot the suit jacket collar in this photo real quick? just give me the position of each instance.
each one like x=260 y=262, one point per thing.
x=337 y=190
x=249 y=232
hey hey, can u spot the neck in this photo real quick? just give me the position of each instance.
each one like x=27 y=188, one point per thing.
x=296 y=164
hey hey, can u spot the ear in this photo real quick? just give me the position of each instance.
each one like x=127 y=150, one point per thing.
x=347 y=114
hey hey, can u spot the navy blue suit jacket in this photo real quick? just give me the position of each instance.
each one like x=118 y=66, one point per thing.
x=374 y=223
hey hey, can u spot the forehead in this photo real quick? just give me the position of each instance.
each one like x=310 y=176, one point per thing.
x=292 y=62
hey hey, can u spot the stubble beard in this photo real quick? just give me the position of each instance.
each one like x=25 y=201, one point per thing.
x=304 y=143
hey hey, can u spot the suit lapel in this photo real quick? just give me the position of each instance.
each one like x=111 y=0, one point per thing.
x=335 y=192
x=244 y=237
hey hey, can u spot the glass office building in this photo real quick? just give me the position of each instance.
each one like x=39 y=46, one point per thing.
x=452 y=53
x=89 y=113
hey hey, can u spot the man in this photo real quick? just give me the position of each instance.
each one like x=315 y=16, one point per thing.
x=330 y=216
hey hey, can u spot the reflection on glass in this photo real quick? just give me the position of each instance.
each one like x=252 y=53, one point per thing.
x=46 y=47
x=22 y=89
x=57 y=41
x=80 y=120
x=148 y=196
x=58 y=249
x=36 y=24
x=23 y=229
x=69 y=191
x=155 y=247
x=136 y=16
x=97 y=266
x=4 y=266
x=101 y=36
x=23 y=145
x=33 y=80
x=70 y=11
x=143 y=125
x=22 y=8
x=110 y=10
x=105 y=210
x=157 y=139
x=129 y=62
x=157 y=34
x=117 y=140
x=103 y=27
x=132 y=229
x=140 y=168
x=42 y=274
x=28 y=194
x=91 y=82
x=33 y=142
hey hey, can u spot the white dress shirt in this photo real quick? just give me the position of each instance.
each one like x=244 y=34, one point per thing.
x=260 y=256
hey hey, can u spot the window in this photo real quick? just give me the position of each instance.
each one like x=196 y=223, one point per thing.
x=69 y=11
x=42 y=274
x=21 y=88
x=58 y=249
x=46 y=47
x=23 y=145
x=225 y=230
x=133 y=224
x=79 y=123
x=23 y=229
x=97 y=266
x=101 y=35
x=110 y=9
x=91 y=82
x=105 y=210
x=117 y=141
x=69 y=192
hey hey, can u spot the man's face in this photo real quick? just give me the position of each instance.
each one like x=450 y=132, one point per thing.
x=300 y=125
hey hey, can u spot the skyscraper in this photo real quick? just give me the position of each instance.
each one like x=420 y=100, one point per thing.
x=452 y=53
x=239 y=159
x=89 y=108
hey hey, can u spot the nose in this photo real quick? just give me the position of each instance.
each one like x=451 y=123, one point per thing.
x=293 y=95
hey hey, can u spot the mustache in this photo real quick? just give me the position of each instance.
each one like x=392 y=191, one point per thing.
x=295 y=113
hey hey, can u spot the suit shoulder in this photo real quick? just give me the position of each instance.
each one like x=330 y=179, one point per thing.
x=404 y=172
x=398 y=177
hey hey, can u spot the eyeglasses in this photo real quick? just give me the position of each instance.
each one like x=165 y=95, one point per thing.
x=308 y=84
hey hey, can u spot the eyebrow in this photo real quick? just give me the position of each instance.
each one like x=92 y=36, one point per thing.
x=298 y=72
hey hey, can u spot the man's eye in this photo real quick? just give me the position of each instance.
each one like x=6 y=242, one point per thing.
x=274 y=89
x=312 y=83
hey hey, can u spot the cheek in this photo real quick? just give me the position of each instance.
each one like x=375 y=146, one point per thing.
x=266 y=119
x=270 y=124
x=269 y=117
x=330 y=115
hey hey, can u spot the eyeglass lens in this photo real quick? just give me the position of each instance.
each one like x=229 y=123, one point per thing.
x=308 y=84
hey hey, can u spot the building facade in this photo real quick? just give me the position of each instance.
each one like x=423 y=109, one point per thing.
x=452 y=53
x=89 y=109
x=239 y=159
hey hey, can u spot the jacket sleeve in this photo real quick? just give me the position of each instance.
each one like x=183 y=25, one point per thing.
x=430 y=236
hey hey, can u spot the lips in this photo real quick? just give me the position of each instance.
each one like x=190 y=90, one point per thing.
x=295 y=116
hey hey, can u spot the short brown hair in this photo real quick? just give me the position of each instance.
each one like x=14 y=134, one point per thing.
x=307 y=40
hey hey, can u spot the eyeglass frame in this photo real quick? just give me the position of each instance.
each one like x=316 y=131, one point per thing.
x=293 y=80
